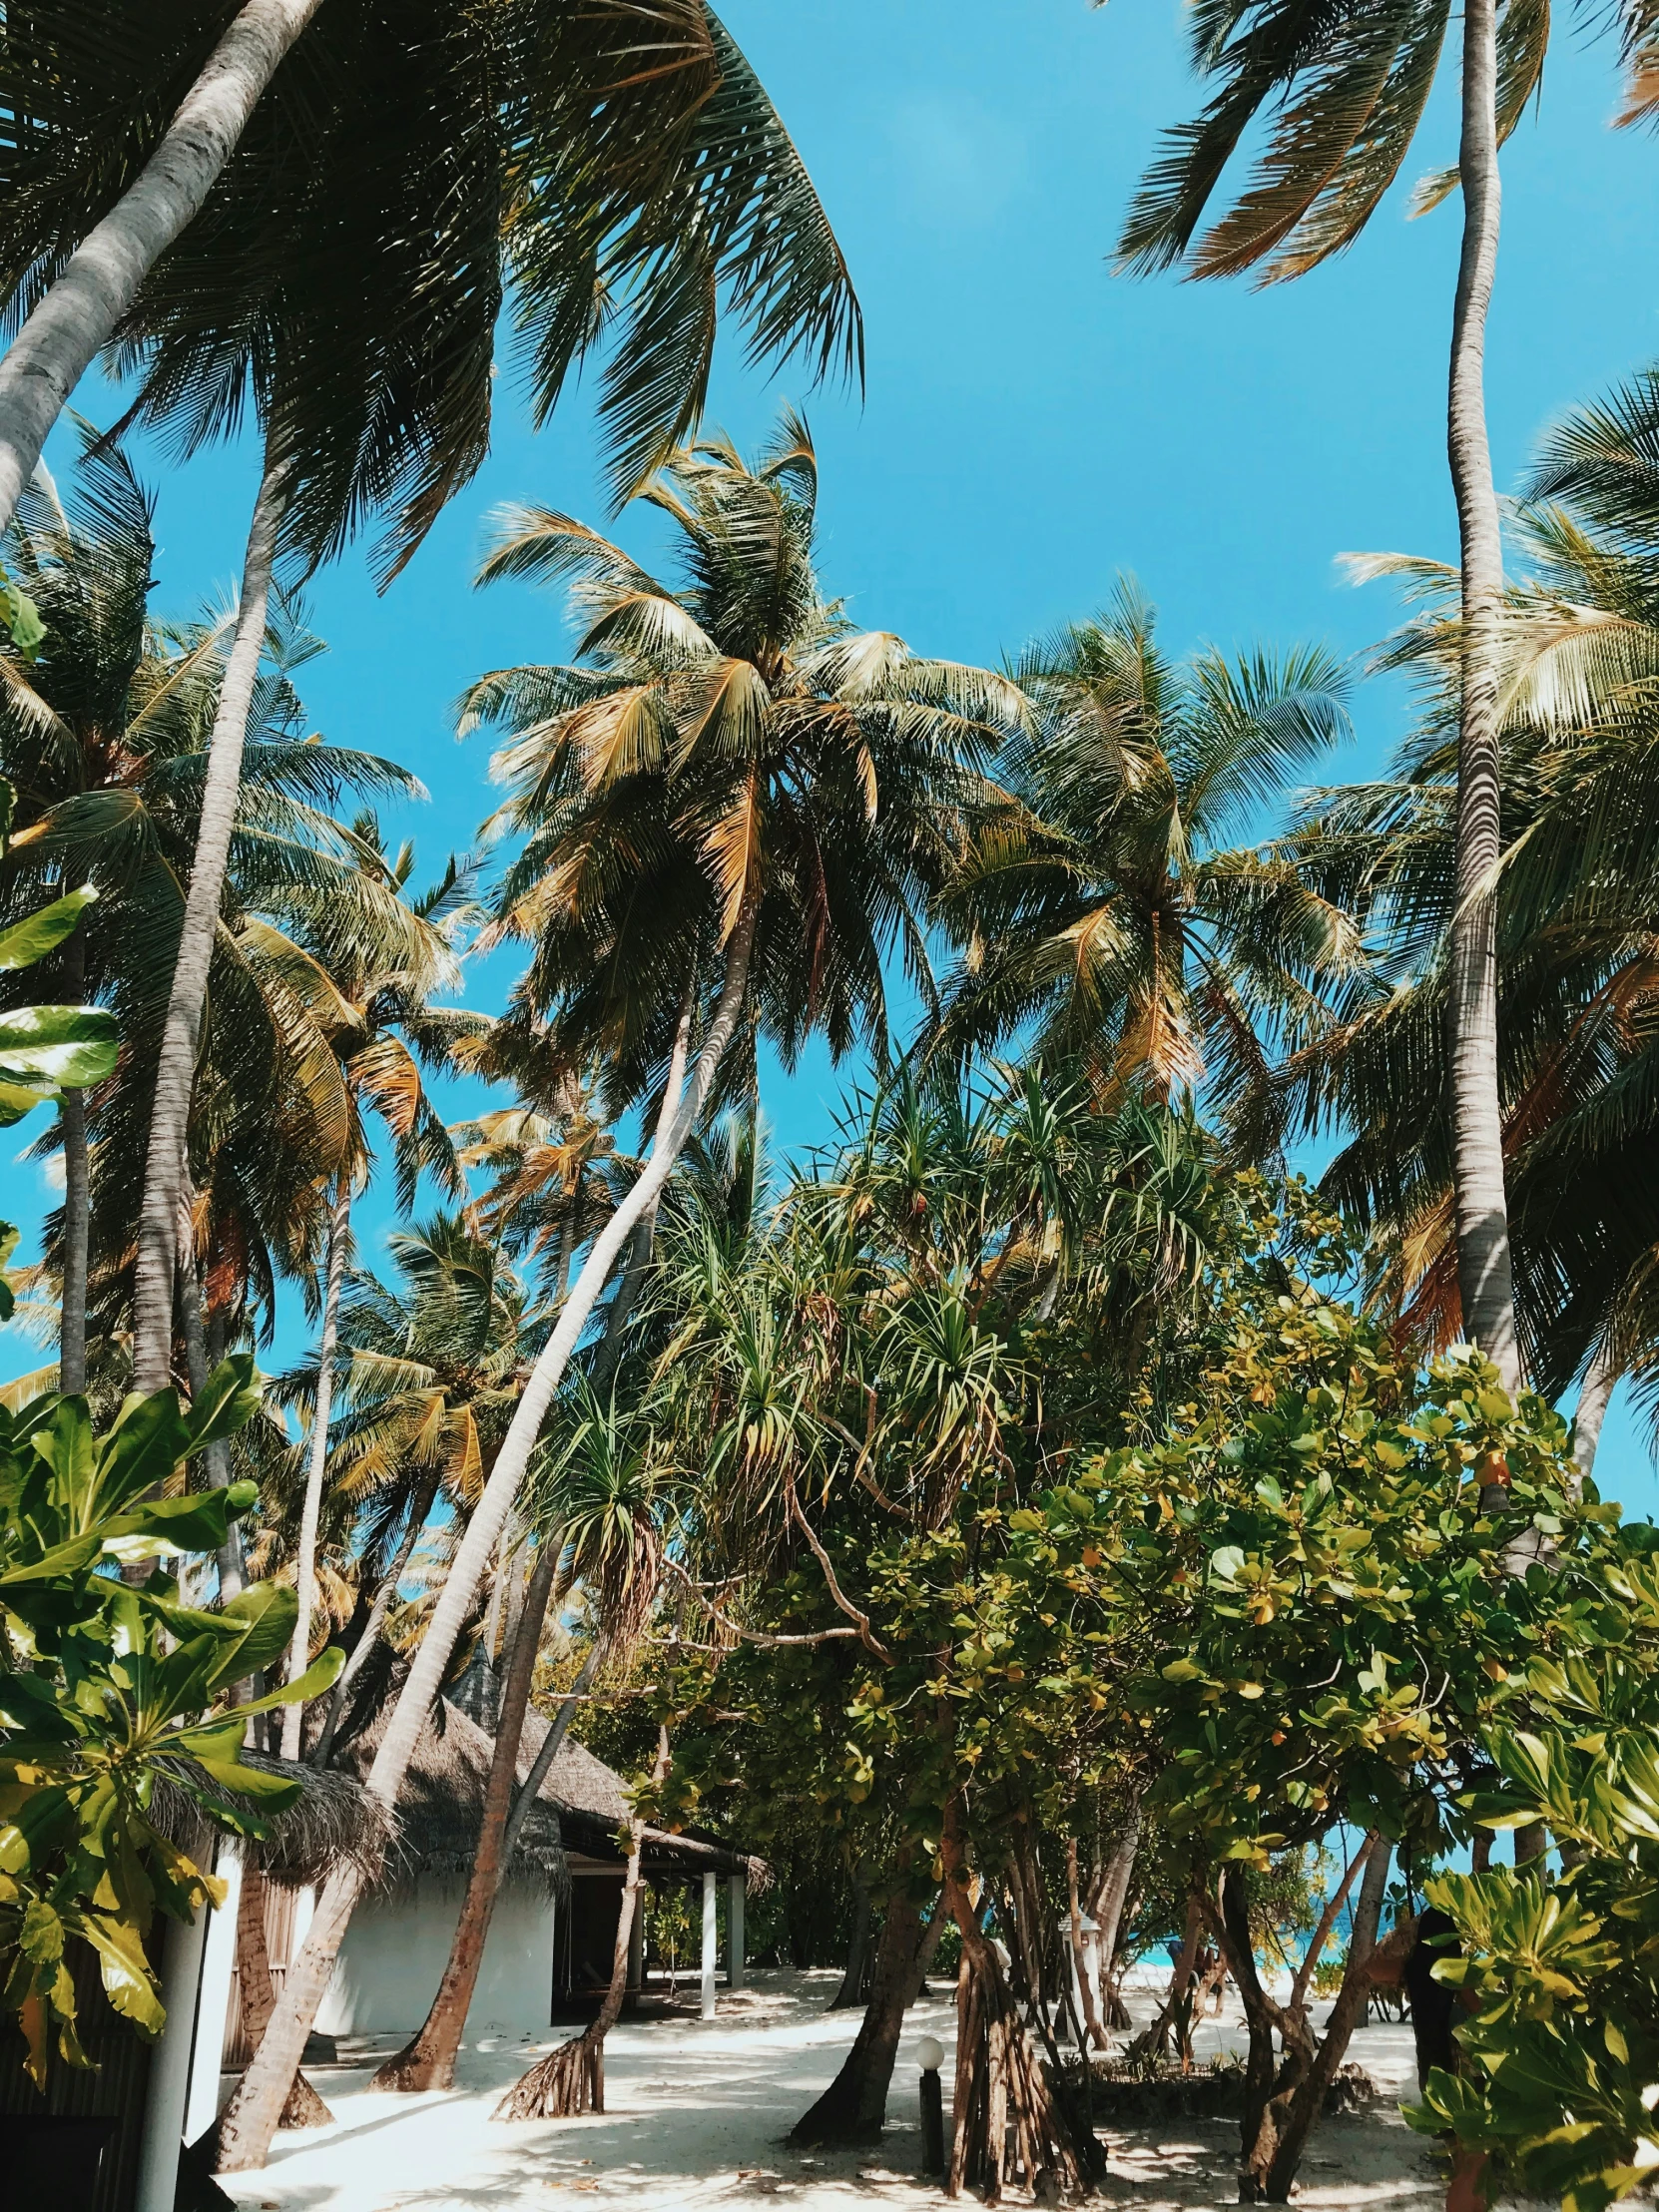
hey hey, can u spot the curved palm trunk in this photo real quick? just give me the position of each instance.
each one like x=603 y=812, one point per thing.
x=540 y=1766
x=311 y=1513
x=429 y=2062
x=1484 y=1269
x=163 y=1168
x=100 y=279
x=373 y=1628
x=250 y=2118
x=571 y=2079
x=203 y=1348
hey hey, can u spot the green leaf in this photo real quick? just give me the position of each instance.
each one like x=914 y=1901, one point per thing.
x=74 y=1045
x=228 y=1399
x=321 y=1674
x=34 y=938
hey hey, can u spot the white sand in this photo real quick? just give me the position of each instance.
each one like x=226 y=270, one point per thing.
x=697 y=2111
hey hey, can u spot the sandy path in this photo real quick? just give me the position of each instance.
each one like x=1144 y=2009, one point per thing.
x=697 y=2111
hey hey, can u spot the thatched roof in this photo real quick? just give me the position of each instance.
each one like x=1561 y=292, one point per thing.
x=440 y=1806
x=591 y=1802
x=333 y=1823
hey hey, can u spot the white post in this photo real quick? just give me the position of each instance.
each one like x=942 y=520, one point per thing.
x=710 y=1942
x=218 y=1969
x=734 y=1930
x=168 y=2091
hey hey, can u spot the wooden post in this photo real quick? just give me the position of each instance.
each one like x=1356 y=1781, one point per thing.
x=734 y=1930
x=711 y=1944
x=219 y=1970
x=169 y=2092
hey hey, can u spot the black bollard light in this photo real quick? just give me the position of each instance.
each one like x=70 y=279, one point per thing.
x=930 y=2056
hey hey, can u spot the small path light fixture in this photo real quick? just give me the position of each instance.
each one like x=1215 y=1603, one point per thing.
x=929 y=2057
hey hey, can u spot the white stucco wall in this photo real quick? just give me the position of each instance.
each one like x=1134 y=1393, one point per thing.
x=394 y=1953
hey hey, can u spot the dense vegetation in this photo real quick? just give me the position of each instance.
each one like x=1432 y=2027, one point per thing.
x=1033 y=1509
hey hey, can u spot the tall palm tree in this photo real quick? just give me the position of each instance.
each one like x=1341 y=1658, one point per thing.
x=1345 y=89
x=1099 y=902
x=1576 y=905
x=104 y=735
x=385 y=977
x=348 y=235
x=733 y=807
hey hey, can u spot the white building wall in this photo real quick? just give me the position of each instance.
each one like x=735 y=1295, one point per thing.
x=398 y=1945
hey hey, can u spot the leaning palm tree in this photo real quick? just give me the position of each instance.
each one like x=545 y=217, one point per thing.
x=385 y=955
x=1100 y=903
x=1345 y=89
x=599 y=1507
x=734 y=808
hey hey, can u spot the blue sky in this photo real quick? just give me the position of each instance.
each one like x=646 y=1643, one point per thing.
x=1033 y=425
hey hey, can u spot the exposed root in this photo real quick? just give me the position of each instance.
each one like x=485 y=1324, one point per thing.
x=304 y=2108
x=568 y=2082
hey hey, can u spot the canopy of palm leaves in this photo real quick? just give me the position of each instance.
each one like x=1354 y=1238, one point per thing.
x=615 y=165
x=105 y=736
x=730 y=744
x=1577 y=899
x=1342 y=91
x=1100 y=910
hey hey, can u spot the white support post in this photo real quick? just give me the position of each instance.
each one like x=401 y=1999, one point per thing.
x=218 y=1969
x=734 y=1930
x=710 y=1942
x=169 y=2092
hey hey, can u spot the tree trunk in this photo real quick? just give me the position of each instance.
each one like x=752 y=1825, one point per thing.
x=165 y=1163
x=311 y=1513
x=571 y=2079
x=428 y=2061
x=77 y=1202
x=304 y=2108
x=1002 y=2089
x=609 y=1357
x=251 y=2116
x=1153 y=2040
x=100 y=279
x=1091 y=2022
x=854 y=2106
x=530 y=1788
x=852 y=1991
x=1327 y=1921
x=1600 y=1381
x=1483 y=1266
x=369 y=1642
x=204 y=1350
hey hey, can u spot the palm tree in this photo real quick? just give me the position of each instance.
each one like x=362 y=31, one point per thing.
x=384 y=979
x=1347 y=88
x=1574 y=904
x=599 y=1509
x=348 y=239
x=105 y=736
x=733 y=807
x=1099 y=902
x=430 y=1368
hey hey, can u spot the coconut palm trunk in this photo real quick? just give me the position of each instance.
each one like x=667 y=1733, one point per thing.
x=311 y=1513
x=165 y=1165
x=428 y=2061
x=1484 y=1266
x=77 y=1203
x=374 y=1627
x=252 y=2115
x=1593 y=1398
x=571 y=2079
x=100 y=279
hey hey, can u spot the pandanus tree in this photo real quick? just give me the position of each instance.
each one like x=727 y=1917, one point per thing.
x=734 y=808
x=105 y=734
x=870 y=1410
x=1573 y=904
x=1106 y=904
x=1345 y=89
